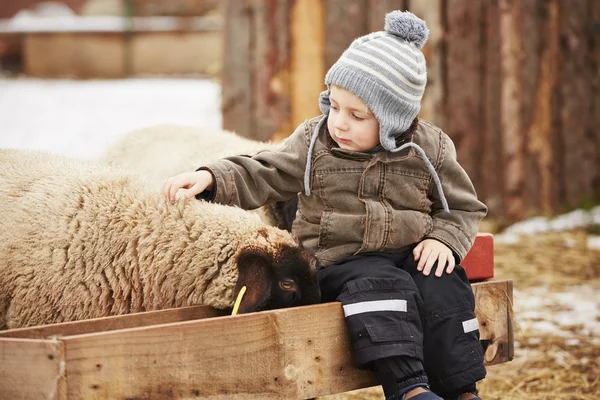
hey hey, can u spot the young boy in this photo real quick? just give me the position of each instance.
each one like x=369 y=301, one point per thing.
x=383 y=204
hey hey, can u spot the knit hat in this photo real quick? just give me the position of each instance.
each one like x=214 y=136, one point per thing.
x=387 y=71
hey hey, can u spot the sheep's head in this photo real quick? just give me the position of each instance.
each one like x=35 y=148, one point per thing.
x=276 y=271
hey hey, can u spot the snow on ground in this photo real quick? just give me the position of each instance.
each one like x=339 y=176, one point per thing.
x=561 y=313
x=572 y=220
x=82 y=118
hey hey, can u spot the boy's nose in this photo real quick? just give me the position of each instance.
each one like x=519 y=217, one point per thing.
x=341 y=123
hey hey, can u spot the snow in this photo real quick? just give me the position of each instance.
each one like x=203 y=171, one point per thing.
x=573 y=309
x=24 y=22
x=82 y=118
x=574 y=219
x=593 y=242
x=571 y=220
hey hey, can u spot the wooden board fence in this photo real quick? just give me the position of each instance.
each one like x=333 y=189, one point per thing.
x=515 y=83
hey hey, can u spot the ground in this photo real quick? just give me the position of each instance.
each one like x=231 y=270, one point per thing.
x=555 y=266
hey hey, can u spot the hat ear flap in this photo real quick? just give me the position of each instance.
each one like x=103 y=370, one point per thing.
x=324 y=102
x=254 y=273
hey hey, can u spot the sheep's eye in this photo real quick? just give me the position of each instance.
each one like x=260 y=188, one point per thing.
x=287 y=284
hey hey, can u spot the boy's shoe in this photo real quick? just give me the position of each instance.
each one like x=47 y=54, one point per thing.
x=458 y=397
x=428 y=395
x=425 y=396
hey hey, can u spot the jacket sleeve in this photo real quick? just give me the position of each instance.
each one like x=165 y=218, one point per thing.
x=269 y=176
x=458 y=228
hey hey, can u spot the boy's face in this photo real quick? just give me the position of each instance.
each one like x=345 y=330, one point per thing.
x=351 y=124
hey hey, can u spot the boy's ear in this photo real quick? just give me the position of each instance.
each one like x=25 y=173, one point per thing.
x=254 y=273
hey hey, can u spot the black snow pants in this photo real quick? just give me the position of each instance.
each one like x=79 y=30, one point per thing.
x=407 y=327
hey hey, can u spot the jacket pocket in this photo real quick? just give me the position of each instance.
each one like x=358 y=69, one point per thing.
x=340 y=229
x=408 y=227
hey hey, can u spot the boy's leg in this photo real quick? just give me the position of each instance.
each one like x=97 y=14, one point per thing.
x=452 y=351
x=380 y=304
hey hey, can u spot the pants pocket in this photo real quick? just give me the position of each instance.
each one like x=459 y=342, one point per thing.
x=390 y=332
x=383 y=318
x=456 y=336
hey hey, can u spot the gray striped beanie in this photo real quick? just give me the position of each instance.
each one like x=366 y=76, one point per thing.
x=387 y=70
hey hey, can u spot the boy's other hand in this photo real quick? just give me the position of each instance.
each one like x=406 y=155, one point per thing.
x=428 y=252
x=187 y=185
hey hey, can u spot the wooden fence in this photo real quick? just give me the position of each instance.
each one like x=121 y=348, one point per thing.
x=515 y=83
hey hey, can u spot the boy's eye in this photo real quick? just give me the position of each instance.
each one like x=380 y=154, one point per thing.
x=358 y=118
x=334 y=108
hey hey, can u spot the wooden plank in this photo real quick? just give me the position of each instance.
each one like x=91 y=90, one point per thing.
x=511 y=121
x=463 y=81
x=493 y=307
x=176 y=53
x=594 y=122
x=492 y=185
x=377 y=9
x=81 y=55
x=114 y=323
x=299 y=352
x=171 y=7
x=575 y=97
x=237 y=105
x=270 y=26
x=307 y=69
x=32 y=369
x=279 y=102
x=531 y=24
x=540 y=144
x=345 y=20
x=432 y=106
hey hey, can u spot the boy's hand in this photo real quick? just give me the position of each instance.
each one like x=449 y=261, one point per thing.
x=187 y=185
x=428 y=252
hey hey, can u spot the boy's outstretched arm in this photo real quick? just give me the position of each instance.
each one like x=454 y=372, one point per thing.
x=249 y=182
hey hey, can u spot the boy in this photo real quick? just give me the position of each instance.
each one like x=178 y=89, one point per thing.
x=383 y=203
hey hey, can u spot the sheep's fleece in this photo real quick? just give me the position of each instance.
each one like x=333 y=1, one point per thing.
x=159 y=152
x=81 y=241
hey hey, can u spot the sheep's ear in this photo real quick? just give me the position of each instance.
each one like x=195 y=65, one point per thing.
x=254 y=274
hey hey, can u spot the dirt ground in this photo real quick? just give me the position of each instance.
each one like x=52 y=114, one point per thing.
x=556 y=318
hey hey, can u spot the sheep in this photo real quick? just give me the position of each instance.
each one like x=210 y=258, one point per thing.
x=159 y=152
x=80 y=241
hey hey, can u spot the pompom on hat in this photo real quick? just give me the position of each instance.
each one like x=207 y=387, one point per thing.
x=407 y=26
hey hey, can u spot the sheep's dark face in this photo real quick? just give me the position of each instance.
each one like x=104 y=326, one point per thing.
x=287 y=278
x=283 y=213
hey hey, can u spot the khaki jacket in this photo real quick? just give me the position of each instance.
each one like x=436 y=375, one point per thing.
x=359 y=202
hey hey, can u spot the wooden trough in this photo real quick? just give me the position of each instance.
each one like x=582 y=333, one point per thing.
x=200 y=353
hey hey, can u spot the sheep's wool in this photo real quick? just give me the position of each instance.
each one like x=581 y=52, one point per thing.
x=83 y=241
x=158 y=152
x=161 y=151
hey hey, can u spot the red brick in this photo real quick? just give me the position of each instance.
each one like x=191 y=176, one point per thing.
x=479 y=262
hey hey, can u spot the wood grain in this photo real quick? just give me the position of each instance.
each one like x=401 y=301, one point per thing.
x=299 y=352
x=32 y=369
